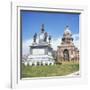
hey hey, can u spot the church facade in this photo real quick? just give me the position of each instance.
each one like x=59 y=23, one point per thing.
x=41 y=52
x=40 y=49
x=67 y=50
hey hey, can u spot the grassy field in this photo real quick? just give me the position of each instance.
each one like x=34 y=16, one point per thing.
x=46 y=71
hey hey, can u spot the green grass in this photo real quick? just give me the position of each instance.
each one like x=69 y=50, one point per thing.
x=47 y=71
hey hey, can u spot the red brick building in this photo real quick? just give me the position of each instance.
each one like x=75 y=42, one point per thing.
x=67 y=50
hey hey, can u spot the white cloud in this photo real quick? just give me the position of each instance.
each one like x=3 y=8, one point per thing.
x=75 y=36
x=57 y=42
x=54 y=43
x=25 y=46
x=76 y=40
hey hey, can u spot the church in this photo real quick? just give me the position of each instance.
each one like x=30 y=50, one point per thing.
x=42 y=53
x=67 y=50
x=41 y=50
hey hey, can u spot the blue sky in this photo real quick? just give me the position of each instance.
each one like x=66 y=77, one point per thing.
x=54 y=24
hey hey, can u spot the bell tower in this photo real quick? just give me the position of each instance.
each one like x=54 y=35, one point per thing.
x=67 y=36
x=67 y=50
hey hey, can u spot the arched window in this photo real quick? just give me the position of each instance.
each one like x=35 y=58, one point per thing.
x=66 y=55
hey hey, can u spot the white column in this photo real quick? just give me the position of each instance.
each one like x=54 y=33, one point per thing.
x=48 y=63
x=30 y=63
x=43 y=62
x=52 y=63
x=25 y=63
x=35 y=63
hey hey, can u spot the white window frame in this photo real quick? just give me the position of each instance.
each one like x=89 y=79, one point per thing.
x=16 y=82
